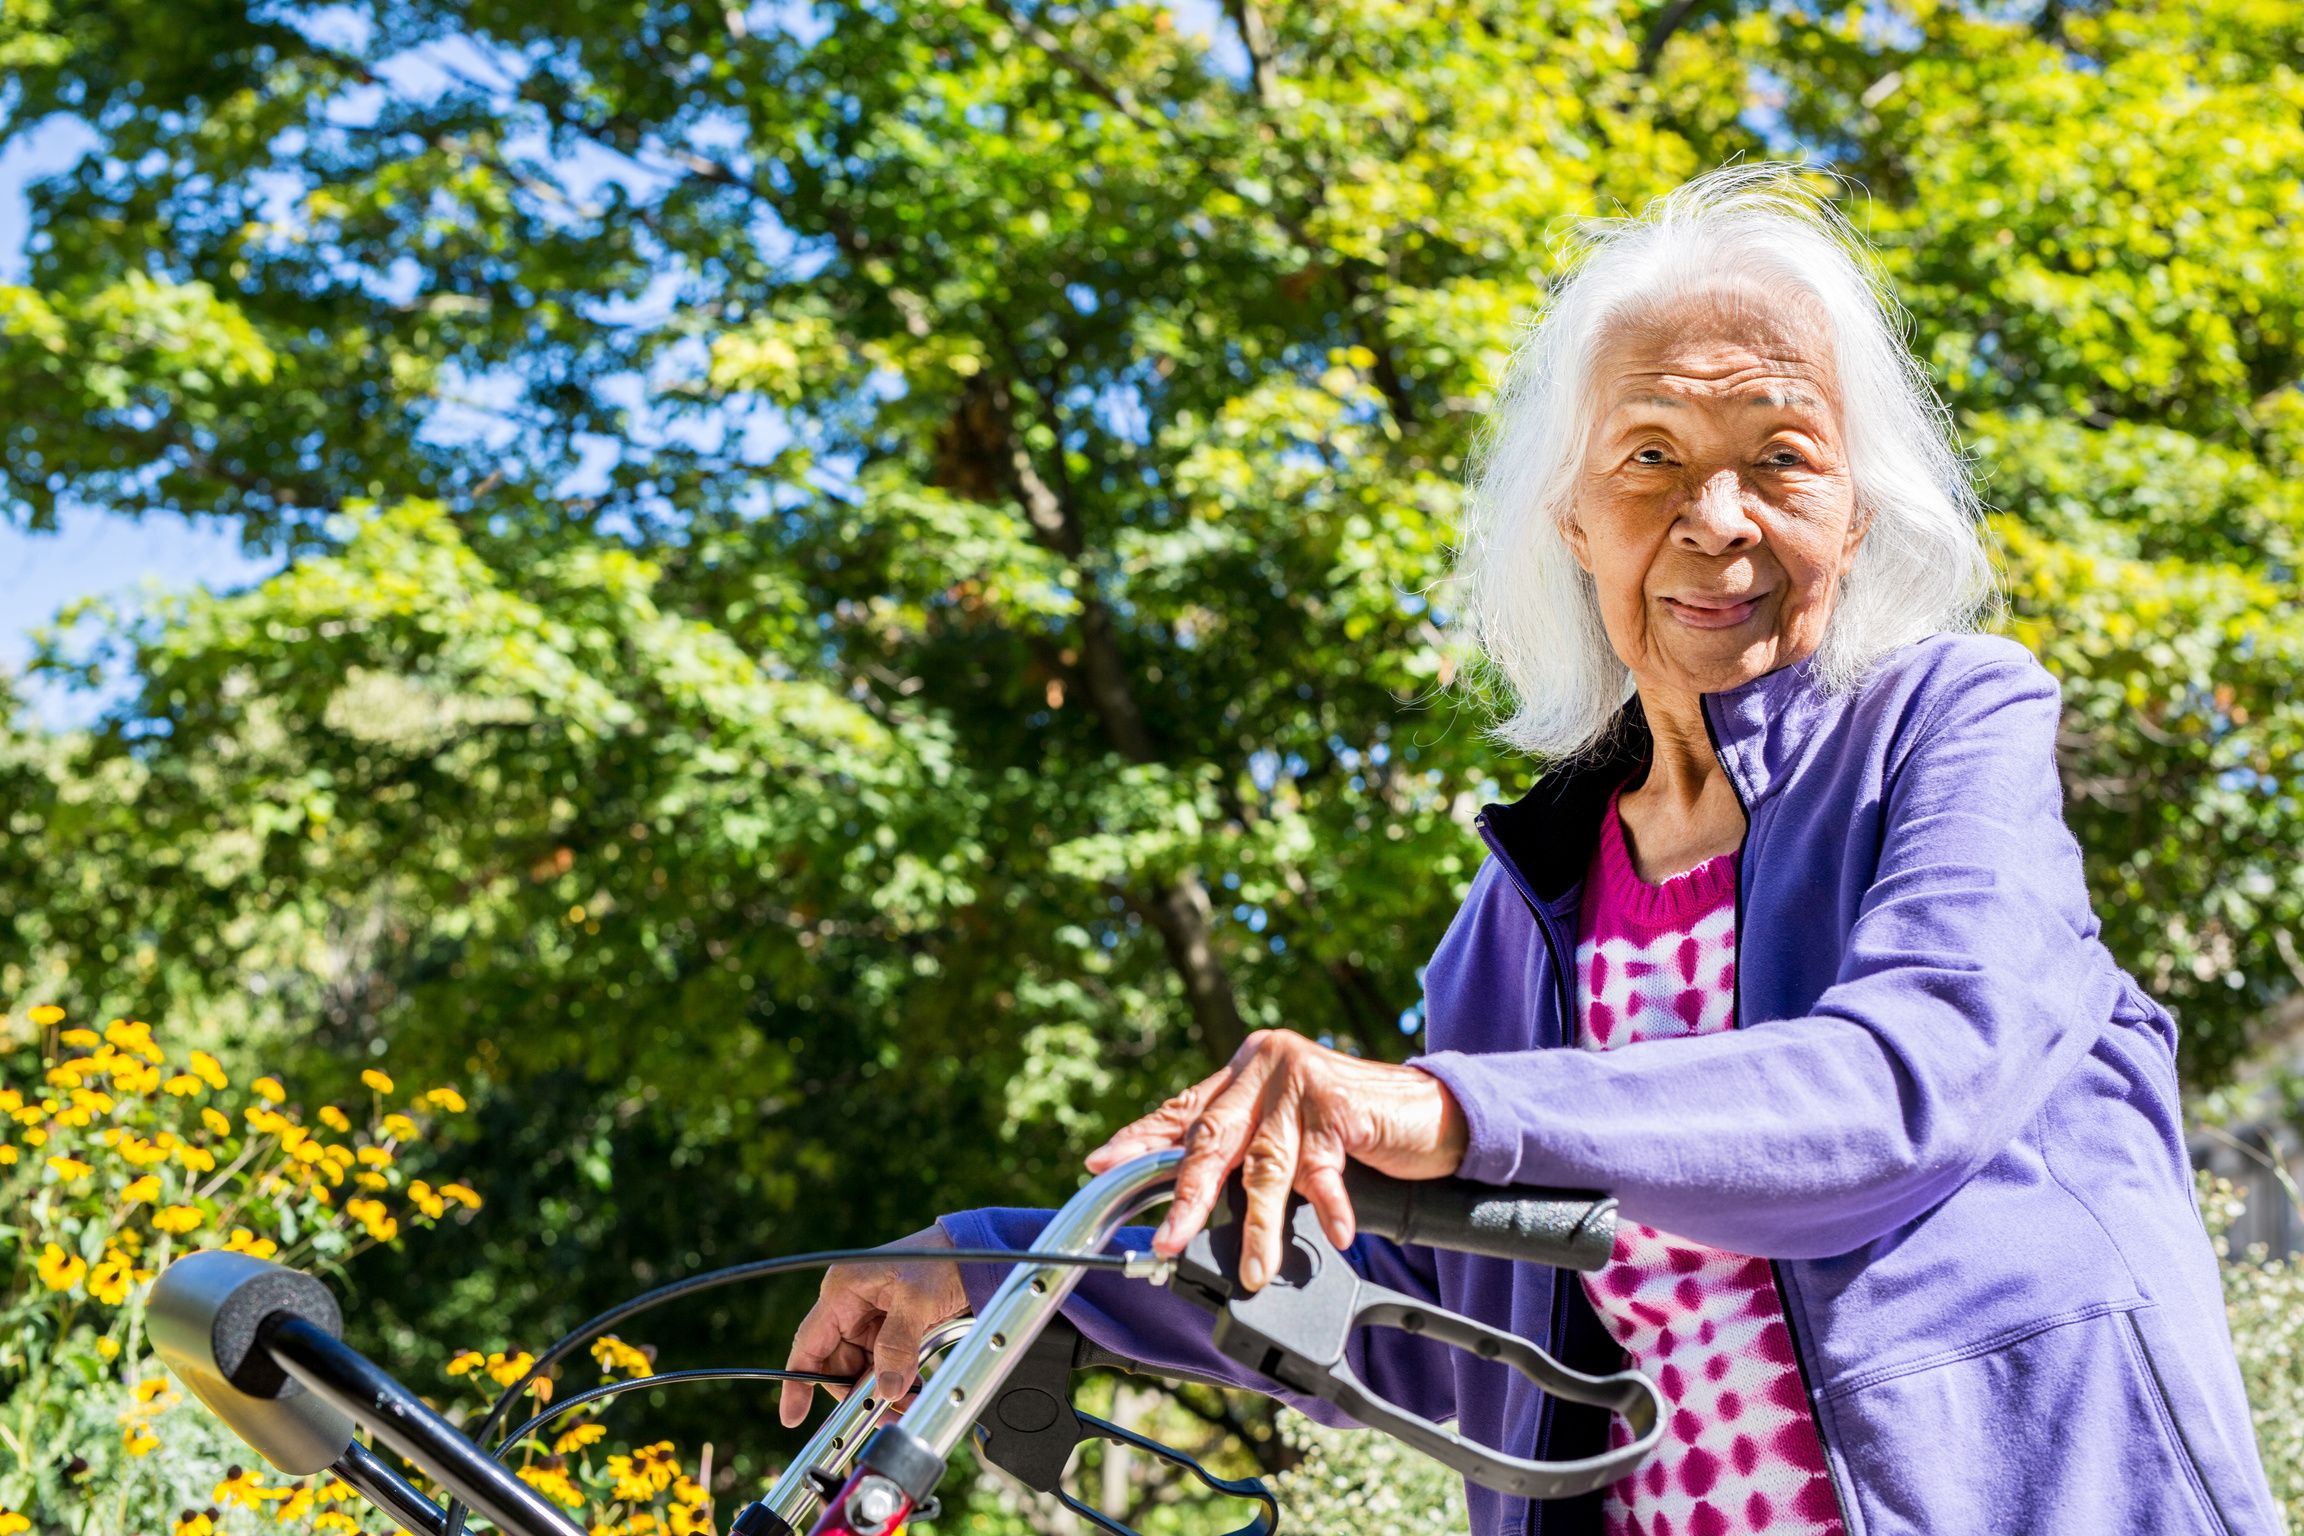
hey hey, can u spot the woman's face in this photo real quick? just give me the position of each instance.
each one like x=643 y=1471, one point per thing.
x=1715 y=509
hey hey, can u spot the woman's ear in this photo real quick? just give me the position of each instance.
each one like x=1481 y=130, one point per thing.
x=1572 y=530
x=1859 y=524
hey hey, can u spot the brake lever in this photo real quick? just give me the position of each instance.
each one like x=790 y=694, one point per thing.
x=1030 y=1430
x=1295 y=1330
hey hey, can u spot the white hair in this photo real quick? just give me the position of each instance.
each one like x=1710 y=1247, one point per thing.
x=1532 y=612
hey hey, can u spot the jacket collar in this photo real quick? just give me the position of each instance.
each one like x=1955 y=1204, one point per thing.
x=1759 y=728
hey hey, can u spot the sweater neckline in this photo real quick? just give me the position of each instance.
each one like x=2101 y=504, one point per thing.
x=1676 y=903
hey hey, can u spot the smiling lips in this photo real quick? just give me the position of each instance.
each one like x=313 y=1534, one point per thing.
x=1710 y=612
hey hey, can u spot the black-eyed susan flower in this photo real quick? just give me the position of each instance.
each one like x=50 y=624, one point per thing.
x=110 y=1280
x=507 y=1369
x=377 y=1081
x=554 y=1484
x=615 y=1355
x=268 y=1089
x=178 y=1219
x=58 y=1270
x=579 y=1437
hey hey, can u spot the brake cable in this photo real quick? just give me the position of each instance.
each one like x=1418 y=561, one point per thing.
x=712 y=1279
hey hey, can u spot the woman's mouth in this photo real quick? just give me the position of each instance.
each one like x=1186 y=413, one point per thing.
x=1714 y=612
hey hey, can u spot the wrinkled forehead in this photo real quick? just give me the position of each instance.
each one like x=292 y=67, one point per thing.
x=1738 y=339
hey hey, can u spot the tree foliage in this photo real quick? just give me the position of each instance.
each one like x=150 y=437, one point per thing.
x=857 y=580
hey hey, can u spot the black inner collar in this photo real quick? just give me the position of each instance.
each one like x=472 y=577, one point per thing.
x=1549 y=833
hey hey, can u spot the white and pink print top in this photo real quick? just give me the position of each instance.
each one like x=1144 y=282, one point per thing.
x=1740 y=1451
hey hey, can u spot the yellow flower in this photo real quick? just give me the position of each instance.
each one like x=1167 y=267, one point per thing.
x=216 y=1123
x=138 y=1440
x=135 y=1077
x=107 y=1349
x=376 y=1080
x=141 y=1190
x=507 y=1369
x=399 y=1127
x=80 y=1039
x=466 y=1363
x=579 y=1437
x=462 y=1194
x=375 y=1157
x=244 y=1241
x=616 y=1355
x=269 y=1090
x=58 y=1270
x=140 y=1153
x=245 y=1486
x=335 y=1119
x=688 y=1520
x=45 y=1015
x=209 y=1070
x=630 y=1484
x=13 y=1524
x=423 y=1197
x=151 y=1389
x=35 y=1137
x=133 y=1036
x=373 y=1181
x=10 y=1101
x=70 y=1169
x=198 y=1159
x=7 y=1156
x=194 y=1523
x=334 y=1522
x=446 y=1099
x=109 y=1281
x=371 y=1215
x=554 y=1485
x=177 y=1219
x=182 y=1085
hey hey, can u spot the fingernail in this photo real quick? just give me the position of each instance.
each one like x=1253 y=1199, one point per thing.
x=1252 y=1272
x=1162 y=1235
x=889 y=1386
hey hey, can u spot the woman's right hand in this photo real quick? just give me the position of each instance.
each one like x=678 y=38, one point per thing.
x=874 y=1313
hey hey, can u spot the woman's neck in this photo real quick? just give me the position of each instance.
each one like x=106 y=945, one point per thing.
x=1684 y=810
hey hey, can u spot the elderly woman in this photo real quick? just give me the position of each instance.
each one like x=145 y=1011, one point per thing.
x=1789 y=950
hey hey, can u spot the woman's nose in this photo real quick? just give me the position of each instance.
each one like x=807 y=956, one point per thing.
x=1716 y=521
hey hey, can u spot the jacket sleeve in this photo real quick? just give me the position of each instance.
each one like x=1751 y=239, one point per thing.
x=1969 y=984
x=1158 y=1328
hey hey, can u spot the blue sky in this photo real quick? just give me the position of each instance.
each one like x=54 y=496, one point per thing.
x=94 y=554
x=98 y=554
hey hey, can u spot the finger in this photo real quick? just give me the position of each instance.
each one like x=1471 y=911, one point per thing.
x=1164 y=1127
x=1320 y=1180
x=831 y=1338
x=1268 y=1176
x=1212 y=1146
x=896 y=1355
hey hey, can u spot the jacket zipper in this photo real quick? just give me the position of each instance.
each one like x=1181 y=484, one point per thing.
x=1537 y=910
x=1552 y=947
x=1784 y=1290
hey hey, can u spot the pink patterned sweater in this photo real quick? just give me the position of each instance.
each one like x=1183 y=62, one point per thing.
x=1740 y=1452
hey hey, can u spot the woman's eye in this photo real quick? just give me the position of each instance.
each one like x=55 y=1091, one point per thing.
x=1786 y=458
x=1642 y=456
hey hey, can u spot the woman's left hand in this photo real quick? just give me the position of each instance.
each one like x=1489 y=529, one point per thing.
x=1287 y=1113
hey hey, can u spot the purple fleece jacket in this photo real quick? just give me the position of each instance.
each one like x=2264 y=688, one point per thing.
x=1947 y=1114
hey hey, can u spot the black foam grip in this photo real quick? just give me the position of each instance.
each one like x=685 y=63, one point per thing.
x=1573 y=1229
x=251 y=1304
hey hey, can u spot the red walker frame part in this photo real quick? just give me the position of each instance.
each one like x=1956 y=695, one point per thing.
x=880 y=1511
